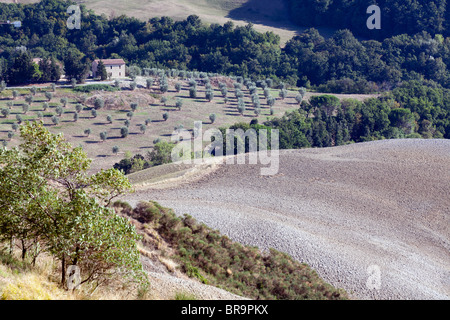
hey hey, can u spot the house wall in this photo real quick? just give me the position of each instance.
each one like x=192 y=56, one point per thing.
x=117 y=71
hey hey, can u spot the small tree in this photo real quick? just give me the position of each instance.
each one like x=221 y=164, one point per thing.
x=115 y=150
x=10 y=135
x=33 y=90
x=82 y=99
x=59 y=111
x=109 y=118
x=94 y=113
x=78 y=108
x=124 y=132
x=5 y=112
x=165 y=116
x=212 y=117
x=9 y=104
x=75 y=117
x=178 y=87
x=55 y=120
x=73 y=83
x=64 y=101
x=101 y=71
x=130 y=114
x=48 y=96
x=29 y=99
x=15 y=126
x=15 y=94
x=117 y=83
x=87 y=132
x=53 y=86
x=209 y=95
x=134 y=106
x=103 y=136
x=143 y=128
x=283 y=93
x=133 y=85
x=99 y=103
x=193 y=92
x=148 y=121
x=39 y=115
x=127 y=123
x=25 y=108
x=179 y=103
x=164 y=100
x=257 y=111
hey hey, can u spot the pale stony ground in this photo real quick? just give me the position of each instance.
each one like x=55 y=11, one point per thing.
x=341 y=210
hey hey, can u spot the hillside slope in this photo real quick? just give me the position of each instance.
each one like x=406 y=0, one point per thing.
x=346 y=211
x=264 y=14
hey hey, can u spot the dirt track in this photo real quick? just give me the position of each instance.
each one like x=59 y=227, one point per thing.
x=341 y=210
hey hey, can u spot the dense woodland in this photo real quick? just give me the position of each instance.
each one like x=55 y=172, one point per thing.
x=398 y=16
x=340 y=64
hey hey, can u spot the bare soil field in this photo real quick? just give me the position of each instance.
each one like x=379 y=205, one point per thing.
x=347 y=211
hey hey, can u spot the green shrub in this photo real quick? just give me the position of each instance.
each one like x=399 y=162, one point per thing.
x=95 y=87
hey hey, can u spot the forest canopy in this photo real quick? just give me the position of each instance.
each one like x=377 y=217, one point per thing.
x=339 y=64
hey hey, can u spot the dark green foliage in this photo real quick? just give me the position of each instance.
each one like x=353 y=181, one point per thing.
x=101 y=71
x=213 y=258
x=124 y=132
x=96 y=87
x=398 y=16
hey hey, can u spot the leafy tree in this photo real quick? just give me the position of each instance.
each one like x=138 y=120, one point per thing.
x=101 y=71
x=124 y=132
x=15 y=94
x=21 y=68
x=115 y=150
x=94 y=113
x=103 y=136
x=78 y=108
x=59 y=111
x=143 y=128
x=161 y=153
x=179 y=103
x=54 y=204
x=99 y=103
x=75 y=66
x=64 y=101
x=148 y=121
x=75 y=117
x=5 y=112
x=178 y=87
x=130 y=114
x=109 y=118
x=87 y=132
x=134 y=106
x=25 y=108
x=48 y=95
x=149 y=83
x=133 y=85
x=55 y=120
x=212 y=117
x=19 y=118
x=165 y=116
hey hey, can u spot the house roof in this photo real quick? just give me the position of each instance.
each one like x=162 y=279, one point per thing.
x=110 y=62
